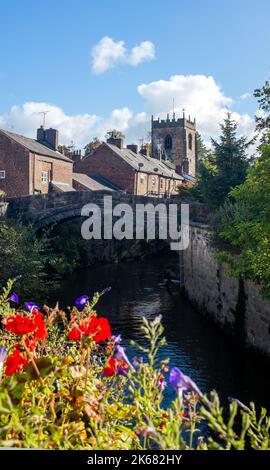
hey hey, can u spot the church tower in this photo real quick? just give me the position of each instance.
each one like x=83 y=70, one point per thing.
x=174 y=140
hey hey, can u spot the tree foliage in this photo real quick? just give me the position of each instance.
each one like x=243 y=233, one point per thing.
x=263 y=118
x=244 y=223
x=223 y=168
x=92 y=146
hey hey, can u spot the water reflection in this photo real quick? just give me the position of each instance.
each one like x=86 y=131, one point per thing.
x=194 y=345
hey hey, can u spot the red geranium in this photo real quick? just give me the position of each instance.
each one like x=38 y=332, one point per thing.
x=98 y=328
x=19 y=324
x=114 y=367
x=40 y=326
x=75 y=334
x=15 y=362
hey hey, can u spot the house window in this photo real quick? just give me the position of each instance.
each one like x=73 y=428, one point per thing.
x=44 y=177
x=142 y=179
x=168 y=142
x=161 y=183
x=2 y=174
x=190 y=141
x=153 y=181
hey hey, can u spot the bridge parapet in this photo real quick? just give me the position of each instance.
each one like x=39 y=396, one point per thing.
x=45 y=209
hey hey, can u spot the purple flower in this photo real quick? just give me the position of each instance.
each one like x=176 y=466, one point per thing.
x=80 y=302
x=162 y=384
x=14 y=298
x=181 y=382
x=30 y=306
x=3 y=353
x=117 y=339
x=119 y=353
x=136 y=362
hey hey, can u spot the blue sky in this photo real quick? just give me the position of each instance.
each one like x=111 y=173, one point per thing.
x=45 y=60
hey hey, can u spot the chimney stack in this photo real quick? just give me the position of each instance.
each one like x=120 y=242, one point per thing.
x=133 y=148
x=118 y=141
x=48 y=137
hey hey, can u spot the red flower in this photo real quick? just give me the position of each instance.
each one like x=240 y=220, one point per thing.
x=114 y=367
x=98 y=328
x=40 y=326
x=19 y=324
x=15 y=362
x=102 y=330
x=75 y=334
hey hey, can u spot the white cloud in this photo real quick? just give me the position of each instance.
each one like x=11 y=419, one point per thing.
x=108 y=53
x=245 y=96
x=144 y=51
x=26 y=118
x=200 y=95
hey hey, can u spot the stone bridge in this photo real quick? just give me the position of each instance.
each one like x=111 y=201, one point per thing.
x=45 y=209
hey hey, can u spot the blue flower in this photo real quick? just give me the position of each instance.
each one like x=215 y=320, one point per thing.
x=14 y=298
x=181 y=382
x=3 y=354
x=30 y=306
x=80 y=302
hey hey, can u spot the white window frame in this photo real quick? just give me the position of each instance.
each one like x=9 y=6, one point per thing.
x=2 y=174
x=44 y=177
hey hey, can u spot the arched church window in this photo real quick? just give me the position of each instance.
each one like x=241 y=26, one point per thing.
x=168 y=142
x=190 y=141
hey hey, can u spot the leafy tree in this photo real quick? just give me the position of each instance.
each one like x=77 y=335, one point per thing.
x=24 y=256
x=244 y=224
x=92 y=146
x=263 y=119
x=224 y=168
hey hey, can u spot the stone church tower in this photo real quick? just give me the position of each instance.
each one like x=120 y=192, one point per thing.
x=174 y=140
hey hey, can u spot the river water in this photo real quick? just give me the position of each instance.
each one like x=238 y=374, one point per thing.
x=193 y=344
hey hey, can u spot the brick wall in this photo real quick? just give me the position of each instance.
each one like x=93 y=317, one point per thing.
x=105 y=163
x=57 y=170
x=14 y=159
x=23 y=170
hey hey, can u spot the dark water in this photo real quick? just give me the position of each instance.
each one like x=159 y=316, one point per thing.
x=193 y=344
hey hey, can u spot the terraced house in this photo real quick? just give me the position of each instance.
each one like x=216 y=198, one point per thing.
x=127 y=169
x=29 y=166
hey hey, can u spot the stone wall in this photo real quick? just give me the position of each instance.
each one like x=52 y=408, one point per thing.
x=234 y=305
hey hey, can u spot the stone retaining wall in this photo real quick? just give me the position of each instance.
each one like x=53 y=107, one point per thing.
x=234 y=305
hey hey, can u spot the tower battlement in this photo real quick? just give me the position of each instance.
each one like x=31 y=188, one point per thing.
x=173 y=122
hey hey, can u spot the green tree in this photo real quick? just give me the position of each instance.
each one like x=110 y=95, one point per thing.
x=263 y=118
x=224 y=168
x=244 y=224
x=92 y=146
x=26 y=257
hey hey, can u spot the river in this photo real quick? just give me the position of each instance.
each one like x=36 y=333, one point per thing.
x=193 y=344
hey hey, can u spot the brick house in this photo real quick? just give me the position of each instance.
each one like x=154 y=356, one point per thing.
x=29 y=166
x=129 y=170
